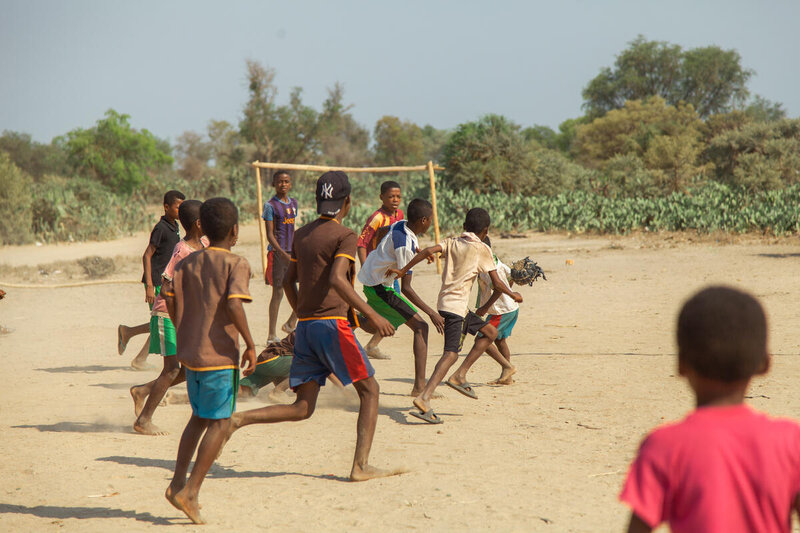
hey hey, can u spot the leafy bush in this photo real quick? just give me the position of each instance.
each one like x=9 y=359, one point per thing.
x=15 y=203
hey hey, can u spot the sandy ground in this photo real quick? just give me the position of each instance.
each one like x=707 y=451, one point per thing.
x=594 y=349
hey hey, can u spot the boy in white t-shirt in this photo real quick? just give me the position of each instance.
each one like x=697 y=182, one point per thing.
x=395 y=251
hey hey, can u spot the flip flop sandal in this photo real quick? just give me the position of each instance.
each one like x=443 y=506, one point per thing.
x=120 y=345
x=465 y=389
x=286 y=329
x=428 y=416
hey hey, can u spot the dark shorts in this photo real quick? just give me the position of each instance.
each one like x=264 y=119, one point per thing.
x=277 y=267
x=327 y=346
x=390 y=304
x=457 y=327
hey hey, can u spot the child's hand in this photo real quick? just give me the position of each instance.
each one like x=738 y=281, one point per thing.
x=482 y=310
x=383 y=326
x=394 y=272
x=248 y=362
x=286 y=256
x=517 y=297
x=431 y=259
x=438 y=322
x=149 y=294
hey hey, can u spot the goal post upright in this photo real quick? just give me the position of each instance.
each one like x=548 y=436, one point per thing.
x=258 y=165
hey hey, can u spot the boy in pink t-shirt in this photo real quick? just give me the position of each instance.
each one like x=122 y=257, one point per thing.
x=162 y=332
x=725 y=467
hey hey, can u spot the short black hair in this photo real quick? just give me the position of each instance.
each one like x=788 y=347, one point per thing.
x=722 y=334
x=217 y=217
x=280 y=173
x=188 y=213
x=477 y=220
x=171 y=196
x=387 y=185
x=418 y=208
x=487 y=241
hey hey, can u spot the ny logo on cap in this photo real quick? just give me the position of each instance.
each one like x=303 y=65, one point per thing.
x=327 y=190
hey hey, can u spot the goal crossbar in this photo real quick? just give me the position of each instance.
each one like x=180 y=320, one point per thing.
x=258 y=165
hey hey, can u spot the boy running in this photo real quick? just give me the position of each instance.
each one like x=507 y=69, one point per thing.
x=323 y=262
x=163 y=238
x=725 y=467
x=387 y=214
x=280 y=214
x=464 y=257
x=147 y=397
x=205 y=303
x=396 y=250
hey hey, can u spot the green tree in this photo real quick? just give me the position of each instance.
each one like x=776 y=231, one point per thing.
x=433 y=141
x=543 y=135
x=115 y=153
x=762 y=110
x=192 y=155
x=398 y=142
x=711 y=79
x=15 y=203
x=33 y=158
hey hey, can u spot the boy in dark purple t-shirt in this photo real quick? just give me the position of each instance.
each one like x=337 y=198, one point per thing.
x=280 y=214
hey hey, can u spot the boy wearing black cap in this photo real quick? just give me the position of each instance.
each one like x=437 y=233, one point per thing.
x=323 y=265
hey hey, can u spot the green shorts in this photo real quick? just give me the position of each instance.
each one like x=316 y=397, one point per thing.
x=390 y=304
x=272 y=371
x=162 y=336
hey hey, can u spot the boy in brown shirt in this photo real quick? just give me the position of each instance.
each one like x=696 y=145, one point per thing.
x=323 y=264
x=465 y=257
x=205 y=303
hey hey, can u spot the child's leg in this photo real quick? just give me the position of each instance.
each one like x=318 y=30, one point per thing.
x=125 y=333
x=274 y=307
x=187 y=498
x=422 y=402
x=420 y=329
x=502 y=345
x=171 y=374
x=482 y=343
x=140 y=361
x=368 y=392
x=191 y=436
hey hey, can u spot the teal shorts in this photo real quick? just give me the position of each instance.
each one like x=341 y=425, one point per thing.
x=212 y=393
x=390 y=304
x=162 y=336
x=504 y=323
x=266 y=372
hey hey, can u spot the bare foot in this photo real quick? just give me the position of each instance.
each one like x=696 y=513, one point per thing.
x=140 y=363
x=188 y=504
x=146 y=427
x=139 y=398
x=422 y=405
x=170 y=493
x=505 y=377
x=368 y=472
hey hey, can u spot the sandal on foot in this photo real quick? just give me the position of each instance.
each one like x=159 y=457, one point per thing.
x=465 y=389
x=428 y=416
x=120 y=345
x=286 y=329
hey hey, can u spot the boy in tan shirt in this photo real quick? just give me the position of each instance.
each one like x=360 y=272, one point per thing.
x=205 y=303
x=465 y=257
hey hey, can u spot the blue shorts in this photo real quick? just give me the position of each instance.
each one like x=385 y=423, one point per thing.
x=504 y=323
x=212 y=393
x=327 y=346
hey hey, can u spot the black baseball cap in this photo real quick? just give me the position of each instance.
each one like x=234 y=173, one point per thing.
x=332 y=188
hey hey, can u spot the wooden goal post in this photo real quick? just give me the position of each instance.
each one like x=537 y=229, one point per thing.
x=258 y=165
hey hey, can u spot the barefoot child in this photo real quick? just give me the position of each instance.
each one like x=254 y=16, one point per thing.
x=205 y=303
x=323 y=262
x=387 y=214
x=725 y=467
x=147 y=397
x=163 y=238
x=503 y=312
x=396 y=249
x=464 y=257
x=272 y=366
x=279 y=215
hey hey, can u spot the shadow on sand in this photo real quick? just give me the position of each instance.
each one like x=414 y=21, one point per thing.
x=85 y=369
x=56 y=512
x=78 y=427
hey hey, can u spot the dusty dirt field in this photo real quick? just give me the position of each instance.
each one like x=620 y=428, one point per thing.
x=596 y=370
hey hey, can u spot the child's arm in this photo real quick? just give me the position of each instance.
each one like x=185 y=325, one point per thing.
x=149 y=290
x=637 y=525
x=169 y=297
x=290 y=285
x=273 y=241
x=499 y=289
x=340 y=284
x=427 y=253
x=239 y=319
x=411 y=294
x=362 y=254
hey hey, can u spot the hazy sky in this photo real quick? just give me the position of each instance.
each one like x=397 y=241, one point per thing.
x=175 y=65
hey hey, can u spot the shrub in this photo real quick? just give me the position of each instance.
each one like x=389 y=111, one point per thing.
x=15 y=203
